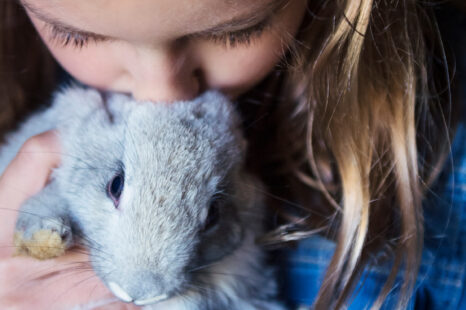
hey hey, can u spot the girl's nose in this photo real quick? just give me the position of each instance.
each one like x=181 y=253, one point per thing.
x=164 y=74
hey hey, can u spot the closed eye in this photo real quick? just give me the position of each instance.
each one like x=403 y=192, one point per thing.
x=240 y=30
x=75 y=39
x=78 y=39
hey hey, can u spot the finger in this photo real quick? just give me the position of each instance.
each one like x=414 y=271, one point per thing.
x=25 y=176
x=37 y=157
x=53 y=284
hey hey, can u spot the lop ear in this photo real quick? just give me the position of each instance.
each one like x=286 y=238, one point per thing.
x=212 y=110
x=215 y=108
x=75 y=102
x=213 y=105
x=118 y=106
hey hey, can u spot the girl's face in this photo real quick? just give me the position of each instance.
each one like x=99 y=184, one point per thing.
x=165 y=50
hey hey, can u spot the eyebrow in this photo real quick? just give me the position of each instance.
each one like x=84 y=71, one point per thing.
x=237 y=23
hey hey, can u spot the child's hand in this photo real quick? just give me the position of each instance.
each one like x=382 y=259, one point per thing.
x=26 y=283
x=25 y=176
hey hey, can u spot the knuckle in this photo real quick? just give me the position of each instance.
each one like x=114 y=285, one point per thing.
x=30 y=146
x=35 y=144
x=39 y=148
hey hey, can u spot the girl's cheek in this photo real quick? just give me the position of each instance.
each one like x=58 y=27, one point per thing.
x=91 y=65
x=233 y=70
x=237 y=69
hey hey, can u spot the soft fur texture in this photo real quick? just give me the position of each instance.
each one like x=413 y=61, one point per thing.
x=177 y=160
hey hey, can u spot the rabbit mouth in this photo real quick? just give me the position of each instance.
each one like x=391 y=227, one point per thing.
x=148 y=301
x=119 y=292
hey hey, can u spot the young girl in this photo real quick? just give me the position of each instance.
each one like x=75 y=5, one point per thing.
x=347 y=127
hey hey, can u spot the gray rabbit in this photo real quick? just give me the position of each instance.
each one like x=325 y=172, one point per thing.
x=159 y=196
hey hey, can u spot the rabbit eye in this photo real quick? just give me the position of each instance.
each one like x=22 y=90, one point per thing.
x=115 y=187
x=213 y=216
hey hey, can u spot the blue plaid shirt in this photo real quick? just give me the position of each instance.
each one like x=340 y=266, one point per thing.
x=441 y=280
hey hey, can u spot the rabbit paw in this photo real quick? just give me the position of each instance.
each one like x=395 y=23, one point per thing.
x=42 y=238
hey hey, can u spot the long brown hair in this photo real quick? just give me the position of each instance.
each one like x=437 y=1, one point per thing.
x=337 y=133
x=345 y=152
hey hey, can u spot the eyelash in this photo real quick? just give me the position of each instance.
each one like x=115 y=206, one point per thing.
x=240 y=37
x=230 y=39
x=69 y=38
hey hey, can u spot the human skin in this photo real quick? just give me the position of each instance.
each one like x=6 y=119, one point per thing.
x=153 y=50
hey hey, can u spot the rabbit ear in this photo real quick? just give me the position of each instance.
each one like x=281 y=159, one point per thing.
x=215 y=108
x=73 y=102
x=119 y=106
x=214 y=105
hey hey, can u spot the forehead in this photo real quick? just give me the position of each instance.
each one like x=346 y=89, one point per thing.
x=139 y=19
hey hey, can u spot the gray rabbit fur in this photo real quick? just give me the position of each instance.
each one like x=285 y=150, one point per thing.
x=181 y=234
